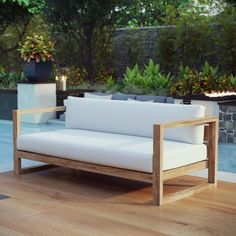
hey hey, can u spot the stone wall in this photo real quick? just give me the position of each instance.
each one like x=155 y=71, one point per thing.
x=227 y=122
x=133 y=46
x=138 y=45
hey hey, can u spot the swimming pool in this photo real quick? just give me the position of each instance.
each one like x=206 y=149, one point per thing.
x=227 y=152
x=227 y=158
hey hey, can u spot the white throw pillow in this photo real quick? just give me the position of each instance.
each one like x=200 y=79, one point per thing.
x=65 y=102
x=90 y=95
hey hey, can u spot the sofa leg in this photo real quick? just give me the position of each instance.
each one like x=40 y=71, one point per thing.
x=157 y=174
x=212 y=153
x=17 y=165
x=157 y=189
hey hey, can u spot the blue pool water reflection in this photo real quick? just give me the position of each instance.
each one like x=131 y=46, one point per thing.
x=6 y=142
x=227 y=158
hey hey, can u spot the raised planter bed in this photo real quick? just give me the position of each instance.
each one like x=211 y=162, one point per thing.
x=203 y=97
x=8 y=103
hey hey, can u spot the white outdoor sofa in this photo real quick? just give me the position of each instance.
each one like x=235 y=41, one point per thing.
x=142 y=141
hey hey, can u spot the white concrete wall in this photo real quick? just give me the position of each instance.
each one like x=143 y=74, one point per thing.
x=36 y=96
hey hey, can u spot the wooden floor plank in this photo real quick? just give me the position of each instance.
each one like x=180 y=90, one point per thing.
x=67 y=202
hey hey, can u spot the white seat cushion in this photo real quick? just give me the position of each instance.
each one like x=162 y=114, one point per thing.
x=133 y=118
x=123 y=151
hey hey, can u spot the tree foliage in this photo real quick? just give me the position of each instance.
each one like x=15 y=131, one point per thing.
x=13 y=12
x=141 y=13
x=89 y=23
x=202 y=32
x=15 y=15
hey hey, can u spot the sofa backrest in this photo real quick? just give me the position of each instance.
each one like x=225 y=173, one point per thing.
x=133 y=118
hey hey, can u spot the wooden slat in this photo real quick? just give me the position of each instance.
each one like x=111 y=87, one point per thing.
x=206 y=132
x=16 y=132
x=27 y=170
x=213 y=152
x=158 y=137
x=107 y=170
x=169 y=174
x=197 y=121
x=187 y=192
x=41 y=110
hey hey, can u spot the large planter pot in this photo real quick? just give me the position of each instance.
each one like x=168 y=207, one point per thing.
x=37 y=71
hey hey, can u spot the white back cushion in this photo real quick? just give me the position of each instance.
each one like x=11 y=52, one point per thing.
x=133 y=118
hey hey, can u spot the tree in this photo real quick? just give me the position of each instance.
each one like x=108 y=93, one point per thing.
x=16 y=14
x=140 y=13
x=232 y=2
x=90 y=23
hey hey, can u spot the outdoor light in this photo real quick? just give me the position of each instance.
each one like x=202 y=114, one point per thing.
x=61 y=82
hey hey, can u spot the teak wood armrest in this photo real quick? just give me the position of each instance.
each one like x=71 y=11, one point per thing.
x=40 y=110
x=192 y=122
x=18 y=113
x=159 y=175
x=16 y=129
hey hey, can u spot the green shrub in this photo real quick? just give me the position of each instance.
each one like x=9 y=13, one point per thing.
x=9 y=80
x=75 y=76
x=150 y=80
x=133 y=76
x=154 y=78
x=208 y=80
x=109 y=85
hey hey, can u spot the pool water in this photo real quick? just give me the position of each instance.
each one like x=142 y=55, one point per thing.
x=226 y=163
x=6 y=142
x=227 y=158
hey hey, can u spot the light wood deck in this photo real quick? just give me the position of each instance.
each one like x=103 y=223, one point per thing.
x=68 y=202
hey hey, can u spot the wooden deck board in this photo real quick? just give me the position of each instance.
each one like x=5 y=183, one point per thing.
x=67 y=202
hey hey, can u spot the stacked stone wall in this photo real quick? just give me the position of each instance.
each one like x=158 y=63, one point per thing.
x=227 y=123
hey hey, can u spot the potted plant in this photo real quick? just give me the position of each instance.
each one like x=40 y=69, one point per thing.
x=37 y=52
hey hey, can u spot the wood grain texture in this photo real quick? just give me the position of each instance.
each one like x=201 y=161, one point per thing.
x=16 y=133
x=124 y=173
x=173 y=173
x=158 y=136
x=62 y=202
x=213 y=152
x=187 y=192
x=191 y=122
x=41 y=110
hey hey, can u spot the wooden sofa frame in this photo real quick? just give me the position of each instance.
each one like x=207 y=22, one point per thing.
x=156 y=178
